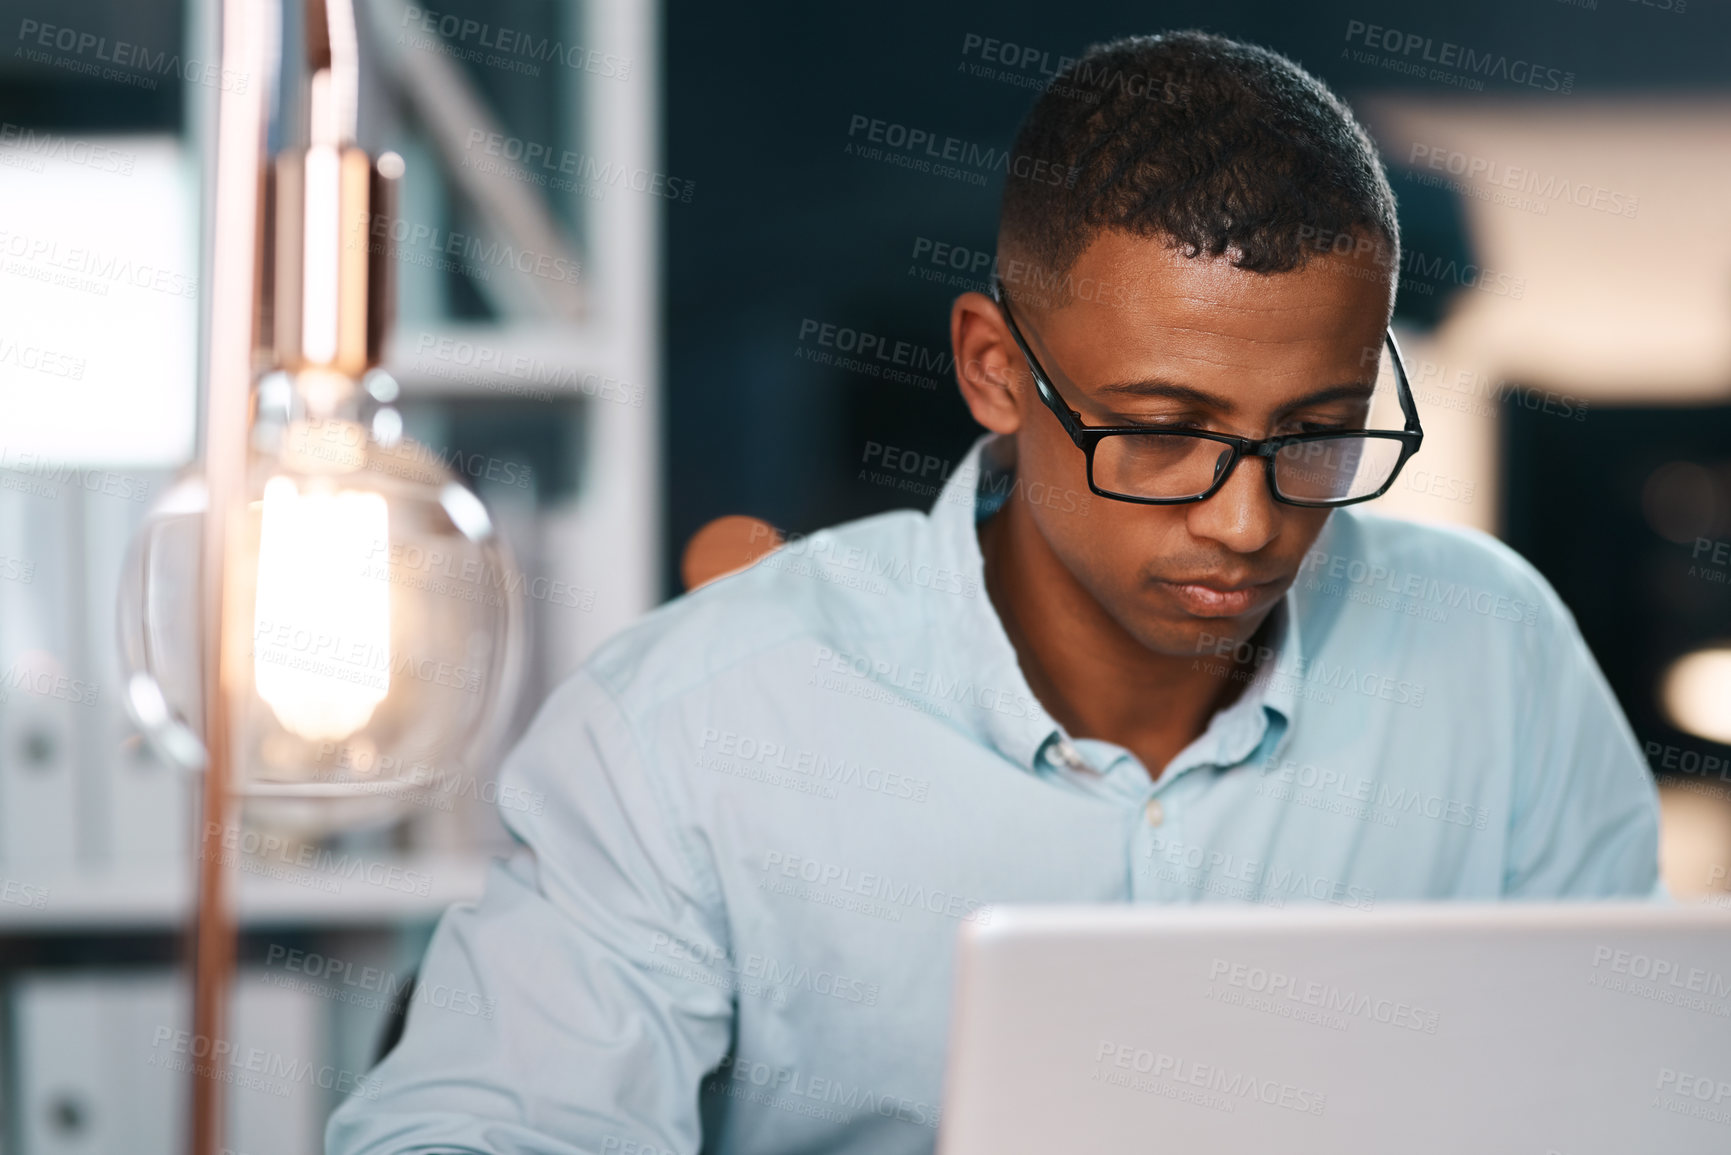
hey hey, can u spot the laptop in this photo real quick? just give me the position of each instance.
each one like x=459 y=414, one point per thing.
x=1583 y=1029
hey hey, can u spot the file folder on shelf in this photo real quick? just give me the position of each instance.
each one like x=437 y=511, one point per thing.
x=101 y=1063
x=44 y=699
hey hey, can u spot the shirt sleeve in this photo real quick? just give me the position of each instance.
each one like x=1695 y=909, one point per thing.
x=588 y=991
x=1584 y=810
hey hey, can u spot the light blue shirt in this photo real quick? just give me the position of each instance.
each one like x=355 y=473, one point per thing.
x=770 y=805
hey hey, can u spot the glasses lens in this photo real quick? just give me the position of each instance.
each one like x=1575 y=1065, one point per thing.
x=1322 y=470
x=1335 y=468
x=1158 y=465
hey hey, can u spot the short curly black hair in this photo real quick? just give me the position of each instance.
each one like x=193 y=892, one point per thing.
x=1217 y=146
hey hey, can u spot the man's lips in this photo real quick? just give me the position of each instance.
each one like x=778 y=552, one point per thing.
x=1206 y=597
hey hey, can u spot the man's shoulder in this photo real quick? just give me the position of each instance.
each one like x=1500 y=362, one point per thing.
x=842 y=585
x=1425 y=568
x=1461 y=550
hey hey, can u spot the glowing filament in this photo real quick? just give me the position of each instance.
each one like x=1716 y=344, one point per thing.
x=322 y=621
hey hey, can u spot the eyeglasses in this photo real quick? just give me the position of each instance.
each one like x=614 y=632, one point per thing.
x=1176 y=466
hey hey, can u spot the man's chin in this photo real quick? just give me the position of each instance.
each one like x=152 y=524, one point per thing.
x=1189 y=636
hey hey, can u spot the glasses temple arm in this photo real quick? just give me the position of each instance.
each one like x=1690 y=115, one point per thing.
x=1403 y=390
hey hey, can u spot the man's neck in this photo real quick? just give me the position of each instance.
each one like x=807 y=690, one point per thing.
x=1089 y=673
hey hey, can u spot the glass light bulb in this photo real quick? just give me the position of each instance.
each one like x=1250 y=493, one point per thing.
x=374 y=619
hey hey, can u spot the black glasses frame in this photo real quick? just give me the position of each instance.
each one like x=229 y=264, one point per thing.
x=1088 y=437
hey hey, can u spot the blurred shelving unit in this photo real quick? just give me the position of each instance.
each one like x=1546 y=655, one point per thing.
x=526 y=351
x=529 y=261
x=159 y=898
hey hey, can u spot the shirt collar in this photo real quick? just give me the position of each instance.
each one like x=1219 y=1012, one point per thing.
x=972 y=643
x=970 y=635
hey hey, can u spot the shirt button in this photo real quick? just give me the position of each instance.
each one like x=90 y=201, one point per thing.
x=1070 y=756
x=1156 y=813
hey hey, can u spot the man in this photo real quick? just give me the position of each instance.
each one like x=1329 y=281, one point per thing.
x=772 y=804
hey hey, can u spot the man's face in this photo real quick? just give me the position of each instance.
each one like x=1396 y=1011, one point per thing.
x=1158 y=338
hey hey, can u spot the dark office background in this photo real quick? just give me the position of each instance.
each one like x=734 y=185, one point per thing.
x=785 y=227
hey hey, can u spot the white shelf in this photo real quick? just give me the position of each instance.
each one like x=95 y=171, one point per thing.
x=160 y=897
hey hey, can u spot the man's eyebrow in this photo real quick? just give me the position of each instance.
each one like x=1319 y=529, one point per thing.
x=1171 y=391
x=1167 y=390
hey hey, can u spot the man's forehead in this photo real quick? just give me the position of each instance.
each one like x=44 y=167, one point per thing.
x=1150 y=326
x=1151 y=277
x=1163 y=315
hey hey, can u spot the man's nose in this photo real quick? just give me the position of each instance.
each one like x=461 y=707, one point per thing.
x=1241 y=514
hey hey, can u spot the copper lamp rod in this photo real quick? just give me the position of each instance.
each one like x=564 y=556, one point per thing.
x=233 y=288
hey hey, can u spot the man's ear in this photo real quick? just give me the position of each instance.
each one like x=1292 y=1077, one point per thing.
x=988 y=363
